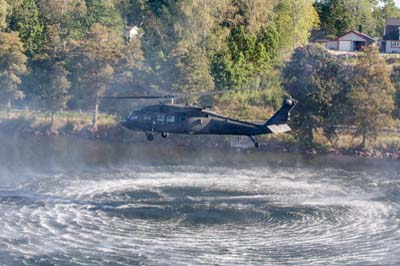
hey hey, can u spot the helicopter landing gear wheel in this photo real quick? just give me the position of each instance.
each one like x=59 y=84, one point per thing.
x=149 y=136
x=256 y=144
x=164 y=134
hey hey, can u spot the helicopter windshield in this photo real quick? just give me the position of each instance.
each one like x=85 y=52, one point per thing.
x=133 y=116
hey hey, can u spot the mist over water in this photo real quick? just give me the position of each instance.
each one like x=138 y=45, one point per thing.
x=67 y=201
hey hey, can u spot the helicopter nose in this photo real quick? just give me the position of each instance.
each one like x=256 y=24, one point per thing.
x=124 y=123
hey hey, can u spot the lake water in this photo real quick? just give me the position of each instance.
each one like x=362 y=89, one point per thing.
x=67 y=201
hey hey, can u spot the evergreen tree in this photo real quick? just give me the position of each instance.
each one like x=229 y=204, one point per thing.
x=372 y=94
x=12 y=66
x=49 y=76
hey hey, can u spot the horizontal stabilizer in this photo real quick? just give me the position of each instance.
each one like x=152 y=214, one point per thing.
x=281 y=128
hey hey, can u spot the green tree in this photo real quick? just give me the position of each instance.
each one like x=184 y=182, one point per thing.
x=24 y=18
x=318 y=80
x=295 y=19
x=49 y=74
x=340 y=16
x=104 y=12
x=193 y=72
x=69 y=15
x=12 y=66
x=372 y=92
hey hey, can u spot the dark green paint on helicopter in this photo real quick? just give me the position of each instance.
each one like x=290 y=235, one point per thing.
x=180 y=119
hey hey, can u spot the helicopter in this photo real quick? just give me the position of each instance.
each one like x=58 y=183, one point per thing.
x=174 y=118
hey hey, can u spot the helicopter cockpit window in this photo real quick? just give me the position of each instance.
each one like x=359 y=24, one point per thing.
x=161 y=118
x=134 y=116
x=170 y=119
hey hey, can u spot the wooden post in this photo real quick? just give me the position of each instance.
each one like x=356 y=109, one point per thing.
x=53 y=118
x=96 y=110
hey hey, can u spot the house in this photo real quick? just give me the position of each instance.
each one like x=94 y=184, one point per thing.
x=350 y=41
x=135 y=32
x=391 y=36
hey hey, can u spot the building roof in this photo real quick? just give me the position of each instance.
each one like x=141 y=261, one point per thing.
x=391 y=29
x=393 y=22
x=362 y=35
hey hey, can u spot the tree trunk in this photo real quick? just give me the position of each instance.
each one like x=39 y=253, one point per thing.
x=9 y=109
x=53 y=118
x=95 y=114
x=364 y=137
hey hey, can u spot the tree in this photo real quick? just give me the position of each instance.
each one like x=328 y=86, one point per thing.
x=296 y=19
x=193 y=72
x=395 y=77
x=371 y=96
x=24 y=18
x=12 y=66
x=318 y=80
x=95 y=57
x=69 y=15
x=340 y=16
x=3 y=14
x=49 y=74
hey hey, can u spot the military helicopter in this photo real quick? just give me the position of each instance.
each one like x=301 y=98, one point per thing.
x=194 y=120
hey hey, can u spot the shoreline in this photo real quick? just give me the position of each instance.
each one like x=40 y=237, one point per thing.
x=117 y=134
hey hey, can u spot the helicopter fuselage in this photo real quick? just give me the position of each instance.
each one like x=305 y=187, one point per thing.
x=180 y=119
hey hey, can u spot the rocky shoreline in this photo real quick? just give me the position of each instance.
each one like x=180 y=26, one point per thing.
x=117 y=134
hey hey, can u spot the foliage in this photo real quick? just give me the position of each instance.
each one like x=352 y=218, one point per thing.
x=371 y=97
x=340 y=16
x=3 y=13
x=24 y=19
x=50 y=75
x=12 y=65
x=318 y=80
x=296 y=19
x=68 y=15
x=395 y=78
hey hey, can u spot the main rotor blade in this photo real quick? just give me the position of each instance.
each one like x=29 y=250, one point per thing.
x=169 y=96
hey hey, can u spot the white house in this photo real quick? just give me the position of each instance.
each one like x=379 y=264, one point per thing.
x=350 y=41
x=135 y=32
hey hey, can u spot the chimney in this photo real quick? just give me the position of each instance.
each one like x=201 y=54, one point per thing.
x=360 y=28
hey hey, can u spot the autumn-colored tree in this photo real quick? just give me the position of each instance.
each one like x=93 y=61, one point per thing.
x=3 y=14
x=12 y=66
x=95 y=57
x=372 y=92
